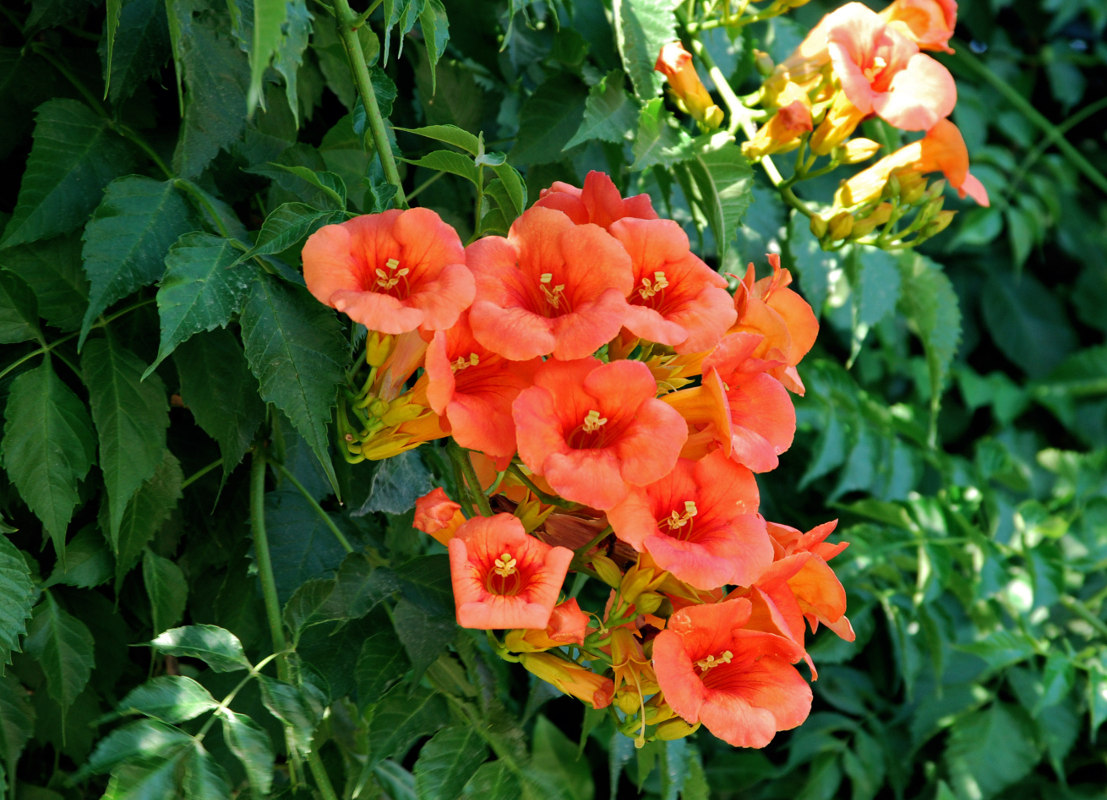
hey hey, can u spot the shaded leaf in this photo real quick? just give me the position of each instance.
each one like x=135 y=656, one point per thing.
x=216 y=76
x=146 y=512
x=63 y=647
x=928 y=300
x=88 y=561
x=18 y=592
x=548 y=119
x=198 y=292
x=53 y=270
x=139 y=47
x=204 y=777
x=436 y=33
x=299 y=708
x=169 y=698
x=398 y=482
x=492 y=781
x=425 y=635
x=167 y=589
x=447 y=762
x=295 y=350
x=73 y=158
x=17 y=719
x=400 y=718
x=252 y=747
x=18 y=310
x=217 y=387
x=127 y=238
x=1028 y=323
x=137 y=742
x=380 y=664
x=556 y=763
x=288 y=225
x=131 y=417
x=641 y=28
x=609 y=112
x=47 y=447
x=659 y=141
x=218 y=648
x=988 y=750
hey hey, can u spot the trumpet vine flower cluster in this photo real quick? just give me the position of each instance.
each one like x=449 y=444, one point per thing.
x=855 y=65
x=609 y=402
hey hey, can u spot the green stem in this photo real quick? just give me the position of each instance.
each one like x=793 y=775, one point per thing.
x=464 y=466
x=269 y=587
x=43 y=52
x=548 y=499
x=1044 y=144
x=323 y=515
x=128 y=133
x=191 y=479
x=201 y=197
x=1054 y=135
x=347 y=30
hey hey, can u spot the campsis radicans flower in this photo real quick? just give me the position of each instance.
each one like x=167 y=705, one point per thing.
x=393 y=272
x=675 y=63
x=598 y=201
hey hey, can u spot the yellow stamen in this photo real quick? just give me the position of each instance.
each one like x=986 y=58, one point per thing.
x=504 y=565
x=386 y=281
x=648 y=290
x=462 y=362
x=875 y=68
x=553 y=296
x=593 y=421
x=707 y=663
x=675 y=520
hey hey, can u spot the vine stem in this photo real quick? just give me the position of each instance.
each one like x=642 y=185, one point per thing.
x=1053 y=134
x=348 y=23
x=464 y=466
x=273 y=613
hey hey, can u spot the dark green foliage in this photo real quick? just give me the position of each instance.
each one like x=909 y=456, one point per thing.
x=169 y=391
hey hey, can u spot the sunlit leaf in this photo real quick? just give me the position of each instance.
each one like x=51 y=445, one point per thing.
x=252 y=747
x=169 y=698
x=218 y=648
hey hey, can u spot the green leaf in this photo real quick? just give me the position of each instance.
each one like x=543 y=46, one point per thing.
x=17 y=720
x=449 y=134
x=269 y=19
x=147 y=779
x=131 y=417
x=1097 y=698
x=295 y=349
x=875 y=292
x=63 y=647
x=398 y=482
x=331 y=187
x=54 y=271
x=447 y=762
x=198 y=291
x=548 y=119
x=989 y=750
x=88 y=561
x=424 y=634
x=140 y=42
x=299 y=708
x=717 y=180
x=47 y=447
x=641 y=28
x=218 y=648
x=401 y=16
x=287 y=226
x=127 y=239
x=556 y=762
x=494 y=780
x=169 y=698
x=204 y=777
x=252 y=747
x=18 y=591
x=929 y=302
x=145 y=514
x=355 y=590
x=18 y=310
x=290 y=54
x=167 y=589
x=609 y=112
x=400 y=718
x=1028 y=323
x=1001 y=648
x=115 y=10
x=380 y=664
x=659 y=140
x=451 y=162
x=217 y=387
x=516 y=190
x=436 y=33
x=73 y=158
x=138 y=742
x=216 y=76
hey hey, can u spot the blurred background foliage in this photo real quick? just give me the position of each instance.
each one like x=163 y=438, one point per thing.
x=955 y=418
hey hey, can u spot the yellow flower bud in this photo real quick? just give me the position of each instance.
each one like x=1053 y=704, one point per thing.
x=675 y=729
x=857 y=150
x=840 y=226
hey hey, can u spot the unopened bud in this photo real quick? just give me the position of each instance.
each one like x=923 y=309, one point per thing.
x=866 y=225
x=649 y=602
x=818 y=226
x=912 y=187
x=939 y=223
x=675 y=729
x=857 y=150
x=840 y=226
x=763 y=62
x=606 y=569
x=378 y=346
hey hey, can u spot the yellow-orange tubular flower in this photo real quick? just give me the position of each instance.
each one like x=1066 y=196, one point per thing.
x=941 y=150
x=675 y=63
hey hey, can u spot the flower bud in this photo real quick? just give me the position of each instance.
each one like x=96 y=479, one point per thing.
x=857 y=150
x=818 y=226
x=763 y=62
x=606 y=569
x=939 y=223
x=675 y=729
x=840 y=226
